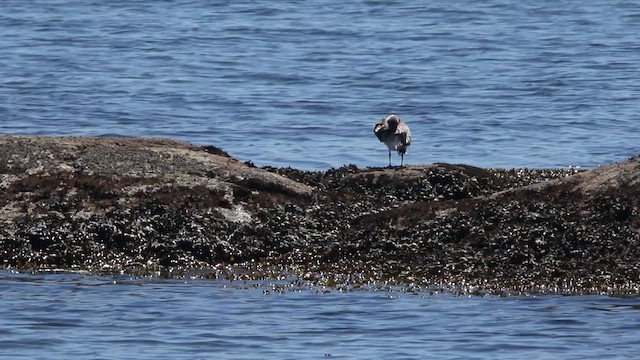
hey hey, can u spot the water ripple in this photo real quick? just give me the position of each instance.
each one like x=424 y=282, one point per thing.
x=79 y=316
x=207 y=72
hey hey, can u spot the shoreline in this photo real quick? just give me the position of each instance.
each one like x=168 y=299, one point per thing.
x=162 y=207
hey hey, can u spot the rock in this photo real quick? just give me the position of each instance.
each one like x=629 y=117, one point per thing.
x=159 y=206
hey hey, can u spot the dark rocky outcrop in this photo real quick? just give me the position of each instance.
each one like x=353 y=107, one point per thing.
x=158 y=206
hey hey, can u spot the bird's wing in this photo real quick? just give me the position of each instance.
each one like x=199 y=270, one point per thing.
x=405 y=133
x=377 y=130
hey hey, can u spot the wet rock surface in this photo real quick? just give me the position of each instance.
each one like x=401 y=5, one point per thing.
x=162 y=207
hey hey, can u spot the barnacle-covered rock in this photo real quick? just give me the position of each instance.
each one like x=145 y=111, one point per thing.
x=158 y=206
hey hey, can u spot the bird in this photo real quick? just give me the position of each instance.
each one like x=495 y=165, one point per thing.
x=395 y=133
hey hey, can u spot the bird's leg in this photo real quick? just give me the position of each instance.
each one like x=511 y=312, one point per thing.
x=401 y=159
x=389 y=157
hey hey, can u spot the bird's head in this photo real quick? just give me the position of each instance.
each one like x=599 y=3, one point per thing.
x=392 y=120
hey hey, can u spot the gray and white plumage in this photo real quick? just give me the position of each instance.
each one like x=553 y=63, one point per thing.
x=395 y=133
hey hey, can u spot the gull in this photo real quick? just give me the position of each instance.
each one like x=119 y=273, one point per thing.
x=395 y=134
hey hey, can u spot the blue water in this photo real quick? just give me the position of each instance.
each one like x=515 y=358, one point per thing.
x=89 y=317
x=500 y=83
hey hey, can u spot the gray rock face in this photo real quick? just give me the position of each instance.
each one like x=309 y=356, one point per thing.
x=159 y=206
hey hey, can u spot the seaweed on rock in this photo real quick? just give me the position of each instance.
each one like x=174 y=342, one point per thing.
x=155 y=205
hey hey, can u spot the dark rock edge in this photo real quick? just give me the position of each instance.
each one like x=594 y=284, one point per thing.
x=159 y=207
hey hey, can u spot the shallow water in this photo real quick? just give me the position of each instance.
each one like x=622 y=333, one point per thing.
x=489 y=83
x=62 y=316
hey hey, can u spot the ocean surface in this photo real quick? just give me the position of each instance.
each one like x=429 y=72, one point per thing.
x=499 y=83
x=89 y=317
